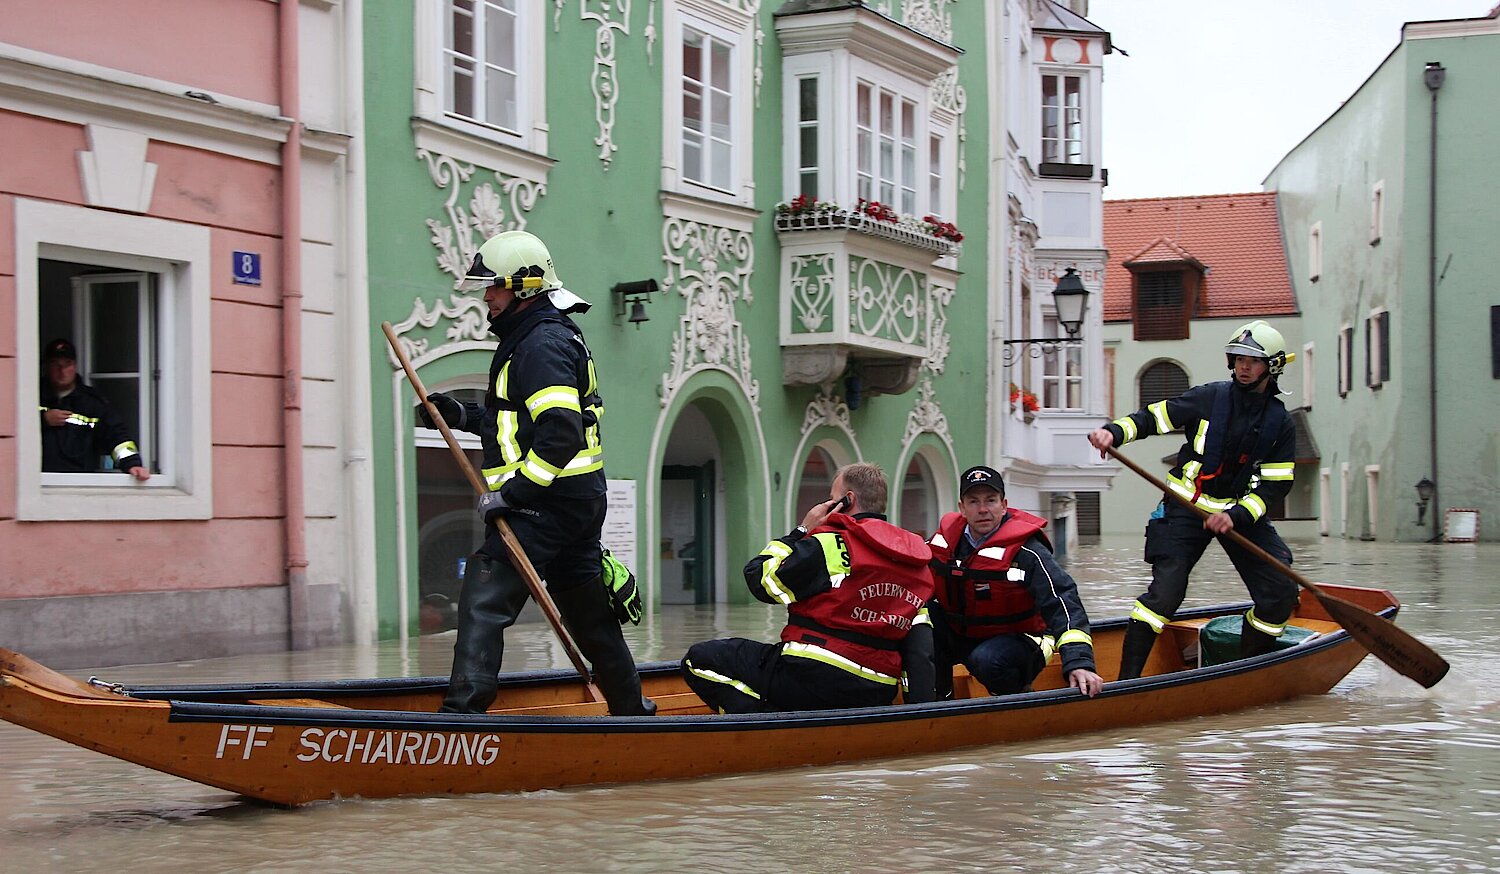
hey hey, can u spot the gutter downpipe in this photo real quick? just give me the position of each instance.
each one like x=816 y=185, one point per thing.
x=1433 y=77
x=298 y=630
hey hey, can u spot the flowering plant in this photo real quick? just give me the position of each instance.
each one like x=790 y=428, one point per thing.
x=877 y=210
x=941 y=229
x=1026 y=399
x=802 y=204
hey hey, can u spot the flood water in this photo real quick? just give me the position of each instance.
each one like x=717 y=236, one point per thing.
x=1379 y=775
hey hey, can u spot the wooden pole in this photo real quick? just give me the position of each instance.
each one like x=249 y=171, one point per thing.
x=1385 y=640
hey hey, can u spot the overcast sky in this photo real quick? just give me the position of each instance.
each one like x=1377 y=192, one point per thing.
x=1214 y=94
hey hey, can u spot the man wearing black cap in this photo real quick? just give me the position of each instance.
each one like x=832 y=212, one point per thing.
x=1005 y=603
x=78 y=423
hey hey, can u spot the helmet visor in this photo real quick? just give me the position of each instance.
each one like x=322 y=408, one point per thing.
x=474 y=283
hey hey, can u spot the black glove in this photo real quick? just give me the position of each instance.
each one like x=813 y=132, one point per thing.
x=491 y=504
x=449 y=408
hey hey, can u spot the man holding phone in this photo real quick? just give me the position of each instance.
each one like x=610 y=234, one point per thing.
x=855 y=588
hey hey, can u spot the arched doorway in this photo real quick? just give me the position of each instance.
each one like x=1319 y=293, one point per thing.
x=689 y=535
x=920 y=510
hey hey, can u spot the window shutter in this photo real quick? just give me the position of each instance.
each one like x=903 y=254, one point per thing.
x=1162 y=381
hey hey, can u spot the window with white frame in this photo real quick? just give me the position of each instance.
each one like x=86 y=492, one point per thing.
x=480 y=83
x=131 y=294
x=809 y=151
x=707 y=104
x=1346 y=360
x=1377 y=349
x=708 y=77
x=1306 y=363
x=1062 y=119
x=1062 y=370
x=1315 y=252
x=1377 y=212
x=885 y=147
x=863 y=122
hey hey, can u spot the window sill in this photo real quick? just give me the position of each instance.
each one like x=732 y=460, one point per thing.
x=466 y=143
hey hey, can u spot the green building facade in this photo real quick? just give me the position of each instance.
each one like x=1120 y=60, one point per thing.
x=1391 y=209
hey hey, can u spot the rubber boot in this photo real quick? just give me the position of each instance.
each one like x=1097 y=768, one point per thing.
x=1139 y=638
x=592 y=623
x=492 y=598
x=1254 y=642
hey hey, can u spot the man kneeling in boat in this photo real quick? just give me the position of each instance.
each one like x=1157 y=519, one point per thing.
x=1003 y=603
x=855 y=587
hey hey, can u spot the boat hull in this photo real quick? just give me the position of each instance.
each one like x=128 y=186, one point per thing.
x=296 y=743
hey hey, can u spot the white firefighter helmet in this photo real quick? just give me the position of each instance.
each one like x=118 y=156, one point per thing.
x=516 y=259
x=1259 y=340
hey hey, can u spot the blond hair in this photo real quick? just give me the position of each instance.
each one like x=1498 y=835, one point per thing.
x=867 y=482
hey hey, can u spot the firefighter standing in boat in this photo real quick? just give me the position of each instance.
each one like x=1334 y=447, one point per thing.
x=1237 y=461
x=544 y=466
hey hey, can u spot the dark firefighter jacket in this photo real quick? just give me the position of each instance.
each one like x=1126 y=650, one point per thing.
x=1240 y=451
x=93 y=430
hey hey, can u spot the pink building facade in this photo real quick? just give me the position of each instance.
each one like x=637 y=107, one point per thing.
x=150 y=184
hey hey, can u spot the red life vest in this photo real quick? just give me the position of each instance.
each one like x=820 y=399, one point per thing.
x=977 y=595
x=880 y=584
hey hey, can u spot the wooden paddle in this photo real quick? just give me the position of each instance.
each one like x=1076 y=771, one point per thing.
x=512 y=545
x=1385 y=640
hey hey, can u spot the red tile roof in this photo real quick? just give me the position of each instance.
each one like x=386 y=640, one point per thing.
x=1236 y=236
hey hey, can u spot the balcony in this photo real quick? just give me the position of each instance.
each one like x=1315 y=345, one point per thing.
x=862 y=294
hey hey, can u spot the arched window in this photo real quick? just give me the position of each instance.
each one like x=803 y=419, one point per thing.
x=816 y=481
x=919 y=506
x=1161 y=381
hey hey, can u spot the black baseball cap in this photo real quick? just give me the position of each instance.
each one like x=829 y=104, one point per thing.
x=979 y=475
x=59 y=348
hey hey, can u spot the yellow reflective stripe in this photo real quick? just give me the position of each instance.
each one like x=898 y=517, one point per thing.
x=1207 y=502
x=553 y=397
x=922 y=618
x=1262 y=625
x=776 y=553
x=593 y=377
x=1201 y=440
x=1127 y=426
x=1277 y=471
x=1255 y=504
x=494 y=476
x=1150 y=617
x=828 y=657
x=1074 y=635
x=507 y=422
x=125 y=450
x=1047 y=645
x=539 y=471
x=1163 y=421
x=1190 y=471
x=835 y=556
x=716 y=677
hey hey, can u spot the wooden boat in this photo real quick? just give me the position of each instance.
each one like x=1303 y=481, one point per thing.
x=293 y=743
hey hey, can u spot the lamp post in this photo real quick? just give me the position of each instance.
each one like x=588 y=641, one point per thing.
x=1426 y=489
x=1071 y=299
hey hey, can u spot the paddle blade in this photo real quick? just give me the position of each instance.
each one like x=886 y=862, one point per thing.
x=1386 y=641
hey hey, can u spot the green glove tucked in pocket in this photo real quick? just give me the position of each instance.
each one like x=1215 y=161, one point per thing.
x=624 y=596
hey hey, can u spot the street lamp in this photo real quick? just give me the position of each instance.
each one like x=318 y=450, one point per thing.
x=1426 y=488
x=1071 y=299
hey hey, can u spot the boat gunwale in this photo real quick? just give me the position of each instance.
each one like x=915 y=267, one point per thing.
x=190 y=711
x=394 y=686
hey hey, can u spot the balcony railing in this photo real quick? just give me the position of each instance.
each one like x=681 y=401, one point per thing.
x=906 y=231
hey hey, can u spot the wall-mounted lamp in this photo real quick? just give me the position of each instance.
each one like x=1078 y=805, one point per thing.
x=1426 y=488
x=634 y=295
x=1071 y=299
